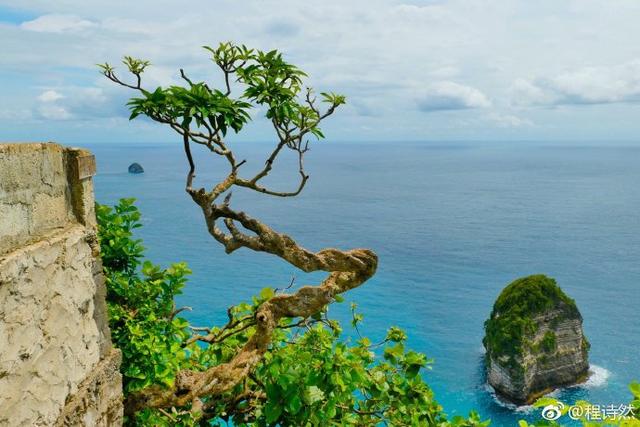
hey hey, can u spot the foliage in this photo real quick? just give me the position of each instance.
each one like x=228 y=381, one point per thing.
x=531 y=295
x=512 y=316
x=548 y=342
x=269 y=82
x=311 y=376
x=140 y=301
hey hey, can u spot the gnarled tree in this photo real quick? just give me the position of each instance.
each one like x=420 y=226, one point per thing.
x=204 y=115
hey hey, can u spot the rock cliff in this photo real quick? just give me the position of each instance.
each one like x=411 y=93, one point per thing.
x=534 y=341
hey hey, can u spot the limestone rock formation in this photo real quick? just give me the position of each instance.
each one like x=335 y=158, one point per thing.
x=534 y=341
x=135 y=168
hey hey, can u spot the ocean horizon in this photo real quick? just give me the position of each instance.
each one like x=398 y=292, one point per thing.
x=452 y=223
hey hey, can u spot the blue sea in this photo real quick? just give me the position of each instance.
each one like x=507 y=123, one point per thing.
x=452 y=223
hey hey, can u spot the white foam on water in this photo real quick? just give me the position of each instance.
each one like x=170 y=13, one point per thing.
x=524 y=409
x=598 y=377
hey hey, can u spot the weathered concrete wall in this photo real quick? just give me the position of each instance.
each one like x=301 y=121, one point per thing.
x=57 y=365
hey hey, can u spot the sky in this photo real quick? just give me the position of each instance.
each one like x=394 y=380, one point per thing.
x=414 y=70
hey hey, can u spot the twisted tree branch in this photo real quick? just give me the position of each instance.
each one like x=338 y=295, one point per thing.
x=292 y=119
x=349 y=269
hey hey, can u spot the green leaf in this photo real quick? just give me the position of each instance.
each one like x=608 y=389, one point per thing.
x=266 y=294
x=396 y=334
x=635 y=389
x=272 y=411
x=294 y=404
x=313 y=395
x=544 y=401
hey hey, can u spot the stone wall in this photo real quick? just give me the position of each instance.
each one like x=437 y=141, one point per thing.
x=57 y=365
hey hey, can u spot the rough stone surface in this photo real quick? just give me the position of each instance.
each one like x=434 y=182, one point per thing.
x=57 y=365
x=97 y=402
x=34 y=192
x=542 y=367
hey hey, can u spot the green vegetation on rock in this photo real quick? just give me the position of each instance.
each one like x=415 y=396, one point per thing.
x=548 y=342
x=511 y=320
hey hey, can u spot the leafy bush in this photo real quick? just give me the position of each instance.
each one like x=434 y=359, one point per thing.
x=140 y=301
x=311 y=375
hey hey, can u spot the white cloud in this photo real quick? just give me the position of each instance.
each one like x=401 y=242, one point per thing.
x=429 y=12
x=13 y=114
x=81 y=103
x=589 y=85
x=50 y=108
x=445 y=72
x=388 y=57
x=50 y=96
x=128 y=25
x=55 y=23
x=525 y=92
x=53 y=112
x=449 y=95
x=509 y=120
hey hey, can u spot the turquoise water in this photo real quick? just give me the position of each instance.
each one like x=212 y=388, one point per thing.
x=452 y=224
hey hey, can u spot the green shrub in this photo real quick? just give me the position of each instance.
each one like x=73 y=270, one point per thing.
x=140 y=303
x=311 y=375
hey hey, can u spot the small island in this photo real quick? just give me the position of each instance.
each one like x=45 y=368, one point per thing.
x=136 y=168
x=534 y=341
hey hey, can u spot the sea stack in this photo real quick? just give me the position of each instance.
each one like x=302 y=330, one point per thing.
x=534 y=341
x=135 y=168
